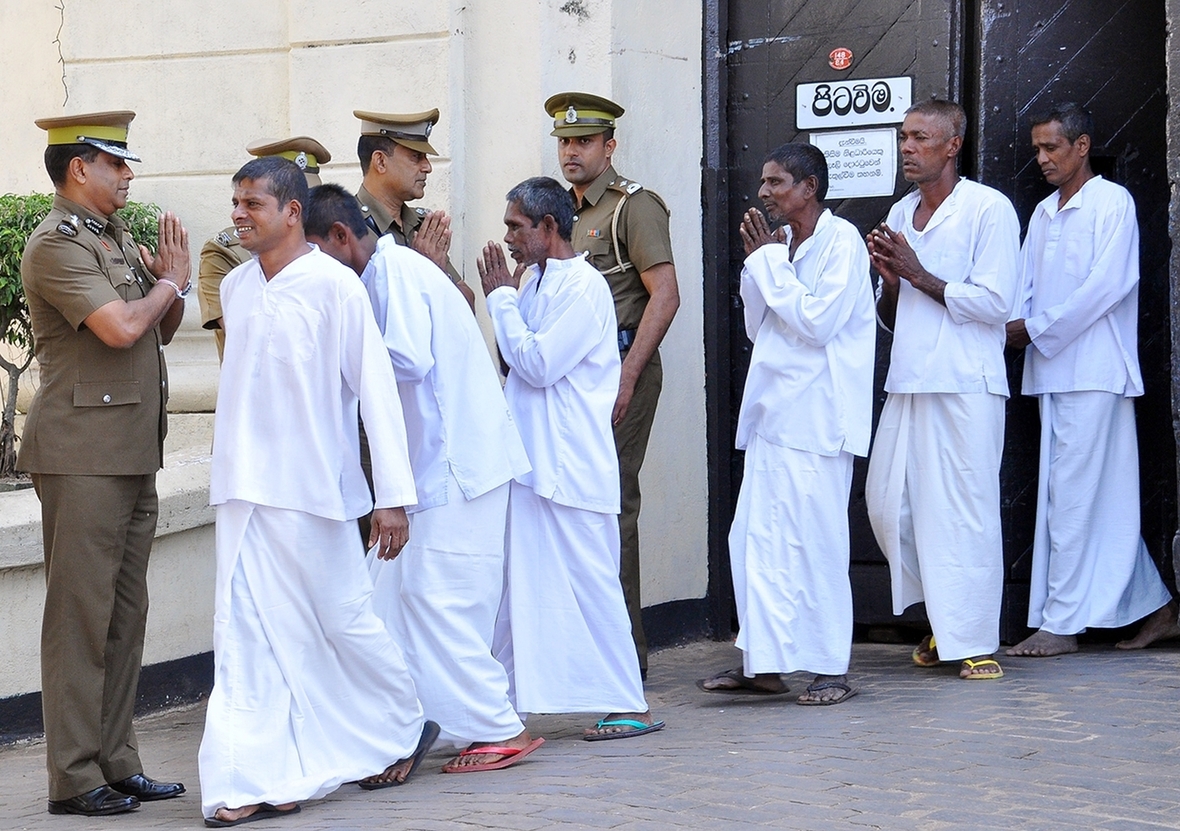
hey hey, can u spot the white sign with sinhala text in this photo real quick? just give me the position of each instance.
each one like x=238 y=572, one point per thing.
x=852 y=103
x=860 y=162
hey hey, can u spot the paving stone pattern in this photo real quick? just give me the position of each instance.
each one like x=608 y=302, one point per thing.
x=1084 y=741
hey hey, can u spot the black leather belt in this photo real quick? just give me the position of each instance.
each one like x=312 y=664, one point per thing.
x=626 y=338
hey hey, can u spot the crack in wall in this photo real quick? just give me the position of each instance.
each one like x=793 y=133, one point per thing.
x=61 y=58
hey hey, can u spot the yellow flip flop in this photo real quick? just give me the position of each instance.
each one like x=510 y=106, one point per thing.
x=931 y=646
x=983 y=676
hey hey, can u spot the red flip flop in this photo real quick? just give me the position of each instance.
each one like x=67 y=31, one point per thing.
x=511 y=755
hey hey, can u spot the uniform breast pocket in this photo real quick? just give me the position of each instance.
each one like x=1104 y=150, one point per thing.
x=124 y=282
x=294 y=333
x=598 y=251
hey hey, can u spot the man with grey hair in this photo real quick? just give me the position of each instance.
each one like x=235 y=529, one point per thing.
x=947 y=256
x=1078 y=316
x=563 y=631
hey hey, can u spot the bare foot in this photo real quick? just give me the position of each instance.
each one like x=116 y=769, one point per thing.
x=734 y=680
x=981 y=667
x=604 y=729
x=520 y=742
x=395 y=774
x=1042 y=644
x=827 y=689
x=1160 y=625
x=238 y=814
x=399 y=772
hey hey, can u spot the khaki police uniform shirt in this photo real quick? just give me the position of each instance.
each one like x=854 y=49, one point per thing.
x=99 y=410
x=644 y=239
x=411 y=220
x=219 y=256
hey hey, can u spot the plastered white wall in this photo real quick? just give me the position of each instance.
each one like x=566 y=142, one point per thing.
x=207 y=79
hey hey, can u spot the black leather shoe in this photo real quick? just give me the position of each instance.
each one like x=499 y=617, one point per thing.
x=99 y=802
x=147 y=790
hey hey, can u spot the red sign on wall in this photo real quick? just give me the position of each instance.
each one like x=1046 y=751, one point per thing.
x=840 y=58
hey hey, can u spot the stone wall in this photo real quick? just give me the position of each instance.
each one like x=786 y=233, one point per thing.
x=207 y=79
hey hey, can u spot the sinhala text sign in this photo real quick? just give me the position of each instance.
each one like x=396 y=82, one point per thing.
x=860 y=163
x=852 y=103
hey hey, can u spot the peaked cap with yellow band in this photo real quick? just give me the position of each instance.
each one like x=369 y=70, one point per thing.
x=581 y=114
x=307 y=153
x=410 y=130
x=106 y=131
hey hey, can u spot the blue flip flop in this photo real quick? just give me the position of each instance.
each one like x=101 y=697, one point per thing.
x=638 y=729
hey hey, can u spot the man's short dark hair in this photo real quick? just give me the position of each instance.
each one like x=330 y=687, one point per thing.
x=284 y=180
x=802 y=160
x=59 y=156
x=329 y=204
x=540 y=197
x=366 y=146
x=950 y=112
x=1075 y=120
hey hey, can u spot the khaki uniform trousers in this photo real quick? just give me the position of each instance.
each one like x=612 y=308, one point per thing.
x=631 y=443
x=98 y=533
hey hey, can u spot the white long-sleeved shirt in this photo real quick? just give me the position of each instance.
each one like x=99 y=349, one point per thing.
x=302 y=352
x=457 y=420
x=973 y=243
x=1080 y=293
x=810 y=383
x=558 y=334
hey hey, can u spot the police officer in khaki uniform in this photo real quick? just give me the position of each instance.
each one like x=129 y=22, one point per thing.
x=393 y=150
x=223 y=253
x=102 y=311
x=623 y=229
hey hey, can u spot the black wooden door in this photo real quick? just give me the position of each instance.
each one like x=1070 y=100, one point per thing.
x=763 y=51
x=1110 y=57
x=1003 y=59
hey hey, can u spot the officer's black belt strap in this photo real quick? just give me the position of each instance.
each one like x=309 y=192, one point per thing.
x=372 y=223
x=626 y=338
x=395 y=134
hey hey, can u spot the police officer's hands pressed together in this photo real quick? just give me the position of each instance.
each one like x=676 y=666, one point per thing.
x=394 y=150
x=102 y=310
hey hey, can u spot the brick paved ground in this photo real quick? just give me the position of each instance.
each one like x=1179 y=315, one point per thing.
x=1085 y=741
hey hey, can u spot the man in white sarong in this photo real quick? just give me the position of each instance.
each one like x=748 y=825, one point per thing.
x=563 y=632
x=1079 y=310
x=310 y=690
x=947 y=255
x=806 y=412
x=439 y=597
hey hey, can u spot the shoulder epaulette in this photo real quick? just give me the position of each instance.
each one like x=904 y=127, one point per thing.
x=625 y=186
x=68 y=225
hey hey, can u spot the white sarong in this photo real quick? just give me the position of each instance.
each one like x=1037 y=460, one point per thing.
x=309 y=689
x=1090 y=566
x=788 y=551
x=563 y=632
x=933 y=495
x=439 y=599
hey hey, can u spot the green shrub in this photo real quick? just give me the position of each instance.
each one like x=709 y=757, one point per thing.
x=19 y=215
